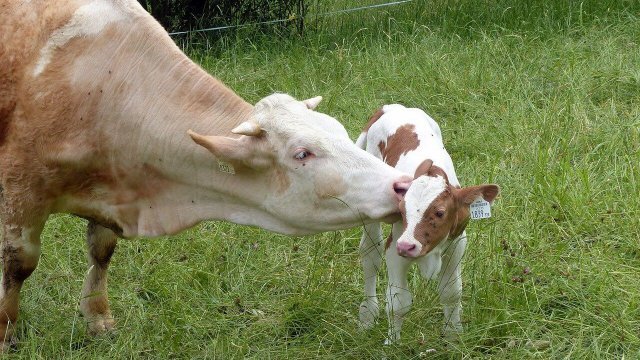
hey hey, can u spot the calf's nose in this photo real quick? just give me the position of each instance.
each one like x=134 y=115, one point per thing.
x=404 y=248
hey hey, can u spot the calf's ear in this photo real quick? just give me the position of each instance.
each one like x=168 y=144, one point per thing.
x=243 y=150
x=423 y=168
x=469 y=194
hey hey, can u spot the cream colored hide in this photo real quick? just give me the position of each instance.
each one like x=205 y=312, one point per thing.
x=102 y=115
x=435 y=212
x=317 y=175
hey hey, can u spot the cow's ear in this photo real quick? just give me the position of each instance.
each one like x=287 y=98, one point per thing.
x=469 y=194
x=238 y=151
x=313 y=102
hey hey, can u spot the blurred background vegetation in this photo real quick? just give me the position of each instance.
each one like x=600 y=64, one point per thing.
x=182 y=15
x=462 y=17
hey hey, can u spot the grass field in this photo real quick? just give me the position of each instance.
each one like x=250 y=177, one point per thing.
x=546 y=106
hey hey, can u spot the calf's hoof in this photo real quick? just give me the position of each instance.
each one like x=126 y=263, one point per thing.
x=368 y=315
x=389 y=341
x=452 y=332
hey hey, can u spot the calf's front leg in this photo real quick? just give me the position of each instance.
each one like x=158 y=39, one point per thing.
x=94 y=303
x=450 y=285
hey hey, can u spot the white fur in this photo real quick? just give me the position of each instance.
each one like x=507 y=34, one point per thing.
x=292 y=125
x=88 y=19
x=442 y=262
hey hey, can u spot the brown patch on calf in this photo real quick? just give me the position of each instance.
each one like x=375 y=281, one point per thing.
x=423 y=168
x=454 y=205
x=435 y=170
x=431 y=229
x=373 y=119
x=401 y=142
x=427 y=168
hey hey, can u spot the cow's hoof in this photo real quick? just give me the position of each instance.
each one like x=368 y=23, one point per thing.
x=8 y=345
x=100 y=325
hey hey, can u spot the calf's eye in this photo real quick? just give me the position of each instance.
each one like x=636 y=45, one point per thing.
x=440 y=213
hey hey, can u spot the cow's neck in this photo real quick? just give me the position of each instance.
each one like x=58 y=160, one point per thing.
x=167 y=94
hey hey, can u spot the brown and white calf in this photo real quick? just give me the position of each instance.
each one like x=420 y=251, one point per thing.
x=96 y=107
x=435 y=212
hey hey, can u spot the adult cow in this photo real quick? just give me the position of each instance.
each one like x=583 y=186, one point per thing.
x=95 y=105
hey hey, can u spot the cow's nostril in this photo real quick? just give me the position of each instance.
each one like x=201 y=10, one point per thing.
x=401 y=187
x=399 y=190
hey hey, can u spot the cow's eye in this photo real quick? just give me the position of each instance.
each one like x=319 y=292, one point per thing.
x=440 y=213
x=301 y=154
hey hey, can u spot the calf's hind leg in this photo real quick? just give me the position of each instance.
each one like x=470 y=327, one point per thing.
x=94 y=303
x=20 y=254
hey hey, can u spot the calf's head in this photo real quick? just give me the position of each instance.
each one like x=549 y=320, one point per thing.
x=433 y=210
x=306 y=173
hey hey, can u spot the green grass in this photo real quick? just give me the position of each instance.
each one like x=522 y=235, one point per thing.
x=550 y=111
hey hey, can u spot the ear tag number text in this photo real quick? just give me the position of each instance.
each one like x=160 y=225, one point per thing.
x=480 y=209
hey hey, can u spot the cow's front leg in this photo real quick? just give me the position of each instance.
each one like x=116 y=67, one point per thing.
x=399 y=297
x=20 y=254
x=94 y=303
x=450 y=286
x=371 y=248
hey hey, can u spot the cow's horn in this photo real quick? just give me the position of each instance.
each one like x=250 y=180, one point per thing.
x=247 y=128
x=313 y=102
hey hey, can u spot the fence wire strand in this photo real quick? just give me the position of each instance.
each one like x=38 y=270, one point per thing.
x=291 y=18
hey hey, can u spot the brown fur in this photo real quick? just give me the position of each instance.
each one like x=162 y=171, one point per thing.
x=94 y=303
x=398 y=144
x=377 y=115
x=423 y=168
x=65 y=147
x=431 y=229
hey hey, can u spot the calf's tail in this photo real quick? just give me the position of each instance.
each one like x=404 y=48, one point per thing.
x=361 y=142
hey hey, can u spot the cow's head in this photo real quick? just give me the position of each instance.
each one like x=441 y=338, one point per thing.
x=311 y=176
x=433 y=210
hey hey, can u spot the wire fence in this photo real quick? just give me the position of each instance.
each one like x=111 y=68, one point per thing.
x=291 y=18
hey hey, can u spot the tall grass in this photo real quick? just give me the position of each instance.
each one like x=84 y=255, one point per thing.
x=548 y=109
